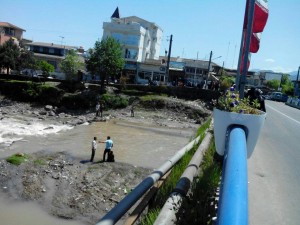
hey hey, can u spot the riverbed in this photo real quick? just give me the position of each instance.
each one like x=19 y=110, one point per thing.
x=134 y=143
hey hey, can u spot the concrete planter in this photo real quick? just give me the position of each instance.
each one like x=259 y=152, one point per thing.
x=223 y=120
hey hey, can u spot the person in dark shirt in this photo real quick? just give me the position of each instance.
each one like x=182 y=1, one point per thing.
x=255 y=93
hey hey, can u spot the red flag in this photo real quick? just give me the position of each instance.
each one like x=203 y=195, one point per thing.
x=255 y=41
x=260 y=17
x=242 y=62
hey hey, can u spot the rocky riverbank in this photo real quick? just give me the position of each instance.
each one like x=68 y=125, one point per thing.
x=74 y=189
x=68 y=188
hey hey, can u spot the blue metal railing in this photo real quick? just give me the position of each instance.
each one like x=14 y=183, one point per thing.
x=233 y=204
x=124 y=205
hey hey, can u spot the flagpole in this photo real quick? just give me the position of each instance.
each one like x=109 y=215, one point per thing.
x=247 y=46
x=238 y=74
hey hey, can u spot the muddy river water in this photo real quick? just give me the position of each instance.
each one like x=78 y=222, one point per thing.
x=137 y=144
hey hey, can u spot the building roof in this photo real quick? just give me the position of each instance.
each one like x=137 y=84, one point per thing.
x=188 y=62
x=6 y=24
x=44 y=44
x=48 y=56
x=139 y=20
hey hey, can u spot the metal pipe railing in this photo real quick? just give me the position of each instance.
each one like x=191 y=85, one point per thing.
x=233 y=204
x=124 y=205
x=168 y=213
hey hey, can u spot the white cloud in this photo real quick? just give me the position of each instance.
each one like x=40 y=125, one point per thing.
x=270 y=60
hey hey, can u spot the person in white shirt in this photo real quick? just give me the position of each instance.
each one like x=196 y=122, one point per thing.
x=94 y=147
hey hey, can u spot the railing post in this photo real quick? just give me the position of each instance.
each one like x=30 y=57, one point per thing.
x=233 y=205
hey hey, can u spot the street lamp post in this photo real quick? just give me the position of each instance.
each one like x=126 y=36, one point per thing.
x=208 y=69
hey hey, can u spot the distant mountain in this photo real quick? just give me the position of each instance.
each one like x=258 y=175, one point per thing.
x=255 y=70
x=267 y=71
x=258 y=70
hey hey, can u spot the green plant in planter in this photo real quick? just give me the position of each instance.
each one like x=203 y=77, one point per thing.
x=231 y=102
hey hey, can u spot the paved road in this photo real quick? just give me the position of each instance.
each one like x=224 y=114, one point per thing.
x=274 y=169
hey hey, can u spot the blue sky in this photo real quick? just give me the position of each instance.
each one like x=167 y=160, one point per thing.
x=197 y=26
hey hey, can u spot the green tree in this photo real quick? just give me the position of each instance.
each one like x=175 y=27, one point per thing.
x=26 y=60
x=105 y=59
x=9 y=53
x=45 y=67
x=273 y=84
x=71 y=64
x=287 y=85
x=226 y=82
x=285 y=79
x=288 y=88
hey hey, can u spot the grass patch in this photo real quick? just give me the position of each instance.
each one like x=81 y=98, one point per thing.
x=203 y=128
x=40 y=162
x=114 y=101
x=150 y=217
x=17 y=159
x=169 y=185
x=195 y=208
x=152 y=101
x=150 y=97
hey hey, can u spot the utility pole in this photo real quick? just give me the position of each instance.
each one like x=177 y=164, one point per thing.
x=222 y=69
x=208 y=69
x=169 y=55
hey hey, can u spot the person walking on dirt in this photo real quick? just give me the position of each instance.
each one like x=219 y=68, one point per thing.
x=94 y=147
x=101 y=109
x=108 y=145
x=132 y=111
x=98 y=109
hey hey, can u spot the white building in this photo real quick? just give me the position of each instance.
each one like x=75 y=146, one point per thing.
x=140 y=39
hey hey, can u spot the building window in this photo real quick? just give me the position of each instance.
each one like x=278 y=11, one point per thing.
x=133 y=40
x=58 y=52
x=9 y=31
x=51 y=50
x=46 y=50
x=36 y=49
x=118 y=37
x=131 y=53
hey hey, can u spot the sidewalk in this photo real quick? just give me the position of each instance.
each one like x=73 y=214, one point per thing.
x=293 y=102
